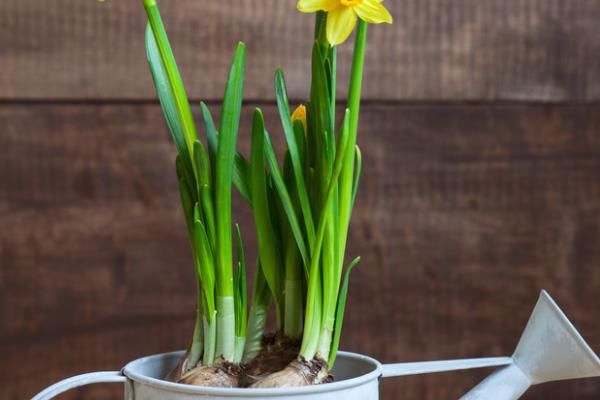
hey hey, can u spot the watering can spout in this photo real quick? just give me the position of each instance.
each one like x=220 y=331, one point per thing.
x=550 y=349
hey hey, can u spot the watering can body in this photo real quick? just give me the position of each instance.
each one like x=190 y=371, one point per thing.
x=358 y=379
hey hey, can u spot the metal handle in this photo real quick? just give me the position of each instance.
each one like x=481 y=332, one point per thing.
x=79 y=380
x=425 y=367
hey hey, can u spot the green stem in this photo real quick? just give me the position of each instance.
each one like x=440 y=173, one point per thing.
x=330 y=285
x=226 y=328
x=293 y=296
x=293 y=308
x=210 y=338
x=312 y=320
x=314 y=304
x=354 y=91
x=347 y=175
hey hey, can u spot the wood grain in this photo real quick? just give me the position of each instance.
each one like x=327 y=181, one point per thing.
x=465 y=213
x=542 y=50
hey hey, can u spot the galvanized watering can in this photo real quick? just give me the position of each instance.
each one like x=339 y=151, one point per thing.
x=550 y=349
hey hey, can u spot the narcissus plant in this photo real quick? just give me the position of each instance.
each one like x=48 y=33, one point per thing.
x=302 y=206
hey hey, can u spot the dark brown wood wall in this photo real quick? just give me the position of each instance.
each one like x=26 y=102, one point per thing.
x=481 y=139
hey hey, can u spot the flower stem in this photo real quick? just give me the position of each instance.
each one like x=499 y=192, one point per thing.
x=347 y=175
x=358 y=61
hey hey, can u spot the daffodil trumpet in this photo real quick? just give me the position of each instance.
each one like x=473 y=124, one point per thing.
x=302 y=208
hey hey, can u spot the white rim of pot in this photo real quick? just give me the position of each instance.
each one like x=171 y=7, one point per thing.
x=129 y=371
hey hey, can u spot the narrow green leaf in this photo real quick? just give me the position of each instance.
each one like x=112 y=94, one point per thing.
x=241 y=177
x=240 y=249
x=288 y=130
x=261 y=295
x=284 y=197
x=240 y=285
x=197 y=346
x=358 y=167
x=301 y=142
x=224 y=165
x=186 y=193
x=211 y=132
x=170 y=67
x=205 y=192
x=295 y=270
x=163 y=90
x=241 y=168
x=230 y=118
x=342 y=152
x=317 y=290
x=340 y=311
x=320 y=94
x=270 y=258
x=205 y=261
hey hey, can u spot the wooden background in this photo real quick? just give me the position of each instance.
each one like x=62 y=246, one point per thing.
x=481 y=139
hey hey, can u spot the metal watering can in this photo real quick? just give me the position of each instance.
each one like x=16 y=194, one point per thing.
x=550 y=349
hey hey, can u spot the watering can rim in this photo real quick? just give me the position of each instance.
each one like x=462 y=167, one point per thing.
x=130 y=371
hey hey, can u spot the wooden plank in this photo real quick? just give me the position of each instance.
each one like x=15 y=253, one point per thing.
x=465 y=213
x=543 y=50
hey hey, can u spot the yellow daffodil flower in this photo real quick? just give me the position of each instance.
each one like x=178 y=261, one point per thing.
x=342 y=14
x=299 y=114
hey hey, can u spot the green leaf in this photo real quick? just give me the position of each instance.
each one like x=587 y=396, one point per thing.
x=205 y=261
x=342 y=152
x=322 y=111
x=285 y=198
x=241 y=316
x=319 y=292
x=241 y=168
x=211 y=132
x=288 y=130
x=268 y=242
x=241 y=177
x=320 y=96
x=358 y=167
x=172 y=72
x=186 y=192
x=301 y=142
x=340 y=311
x=163 y=90
x=226 y=149
x=205 y=193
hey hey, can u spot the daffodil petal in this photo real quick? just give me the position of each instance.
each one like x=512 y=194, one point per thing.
x=309 y=6
x=373 y=12
x=340 y=23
